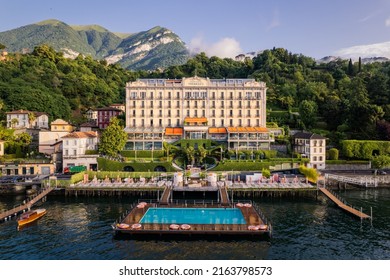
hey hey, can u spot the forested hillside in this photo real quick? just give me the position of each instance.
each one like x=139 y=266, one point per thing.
x=46 y=81
x=341 y=99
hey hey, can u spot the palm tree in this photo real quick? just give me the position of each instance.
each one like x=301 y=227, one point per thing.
x=190 y=154
x=31 y=118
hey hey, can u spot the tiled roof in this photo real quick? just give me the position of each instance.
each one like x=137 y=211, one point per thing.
x=89 y=124
x=81 y=134
x=37 y=114
x=59 y=121
x=307 y=135
x=108 y=109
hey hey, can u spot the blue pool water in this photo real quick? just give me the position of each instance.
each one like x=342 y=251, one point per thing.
x=193 y=216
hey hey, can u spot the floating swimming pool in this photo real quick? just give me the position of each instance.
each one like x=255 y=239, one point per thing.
x=223 y=216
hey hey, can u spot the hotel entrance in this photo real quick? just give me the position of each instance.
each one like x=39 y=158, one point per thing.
x=196 y=135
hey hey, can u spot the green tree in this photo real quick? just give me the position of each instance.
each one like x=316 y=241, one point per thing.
x=113 y=139
x=308 y=112
x=202 y=154
x=380 y=162
x=333 y=154
x=2 y=47
x=266 y=173
x=31 y=118
x=189 y=152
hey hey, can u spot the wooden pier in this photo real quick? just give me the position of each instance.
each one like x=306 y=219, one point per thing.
x=343 y=206
x=166 y=195
x=9 y=213
x=366 y=181
x=224 y=196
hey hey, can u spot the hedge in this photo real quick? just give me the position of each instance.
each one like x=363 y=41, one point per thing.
x=184 y=142
x=333 y=154
x=242 y=166
x=110 y=165
x=365 y=149
x=143 y=154
x=347 y=161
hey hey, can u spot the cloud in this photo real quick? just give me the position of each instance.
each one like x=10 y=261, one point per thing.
x=275 y=22
x=226 y=47
x=370 y=16
x=387 y=22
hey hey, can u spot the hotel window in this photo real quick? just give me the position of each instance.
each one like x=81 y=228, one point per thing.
x=177 y=94
x=143 y=104
x=239 y=104
x=248 y=113
x=169 y=104
x=213 y=113
x=160 y=122
x=151 y=103
x=248 y=104
x=133 y=122
x=143 y=123
x=160 y=95
x=222 y=95
x=231 y=113
x=142 y=113
x=203 y=113
x=196 y=104
x=151 y=95
x=177 y=104
x=134 y=104
x=203 y=104
x=74 y=152
x=169 y=95
x=222 y=113
x=143 y=95
x=257 y=122
x=213 y=104
x=320 y=150
x=222 y=104
x=151 y=123
x=231 y=104
x=257 y=113
x=177 y=122
x=160 y=104
x=239 y=113
x=314 y=158
x=160 y=113
x=315 y=150
x=178 y=113
x=213 y=95
x=249 y=122
x=231 y=95
x=66 y=152
x=231 y=122
x=239 y=122
x=151 y=113
x=222 y=123
x=188 y=104
x=169 y=113
x=239 y=95
x=188 y=113
x=196 y=113
x=213 y=122
x=320 y=159
x=133 y=113
x=74 y=142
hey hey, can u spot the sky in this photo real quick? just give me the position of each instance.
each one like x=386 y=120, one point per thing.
x=315 y=28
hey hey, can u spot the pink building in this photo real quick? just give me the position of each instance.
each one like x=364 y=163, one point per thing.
x=105 y=114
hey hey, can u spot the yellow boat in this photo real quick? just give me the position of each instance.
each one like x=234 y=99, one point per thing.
x=31 y=216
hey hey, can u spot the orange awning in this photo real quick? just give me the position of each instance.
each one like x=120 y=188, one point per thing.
x=246 y=129
x=174 y=131
x=219 y=130
x=195 y=120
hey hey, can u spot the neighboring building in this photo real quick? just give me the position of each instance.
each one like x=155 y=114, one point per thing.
x=105 y=114
x=226 y=110
x=121 y=107
x=89 y=126
x=2 y=148
x=75 y=146
x=91 y=115
x=31 y=168
x=311 y=146
x=56 y=156
x=61 y=125
x=59 y=128
x=3 y=55
x=20 y=119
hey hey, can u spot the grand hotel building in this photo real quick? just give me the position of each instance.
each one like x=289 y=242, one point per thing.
x=225 y=110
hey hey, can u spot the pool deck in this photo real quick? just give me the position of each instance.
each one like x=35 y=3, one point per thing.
x=250 y=229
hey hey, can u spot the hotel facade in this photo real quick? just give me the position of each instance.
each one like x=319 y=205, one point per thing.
x=224 y=110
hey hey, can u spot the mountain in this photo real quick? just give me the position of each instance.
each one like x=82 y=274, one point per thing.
x=365 y=51
x=152 y=49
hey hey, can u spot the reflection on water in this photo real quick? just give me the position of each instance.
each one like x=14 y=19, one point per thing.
x=79 y=228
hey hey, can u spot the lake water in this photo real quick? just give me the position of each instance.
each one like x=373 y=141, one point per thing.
x=303 y=228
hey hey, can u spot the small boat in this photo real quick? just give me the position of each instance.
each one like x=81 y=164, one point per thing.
x=31 y=216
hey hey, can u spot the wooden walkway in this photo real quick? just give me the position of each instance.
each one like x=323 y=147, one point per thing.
x=343 y=206
x=28 y=205
x=166 y=195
